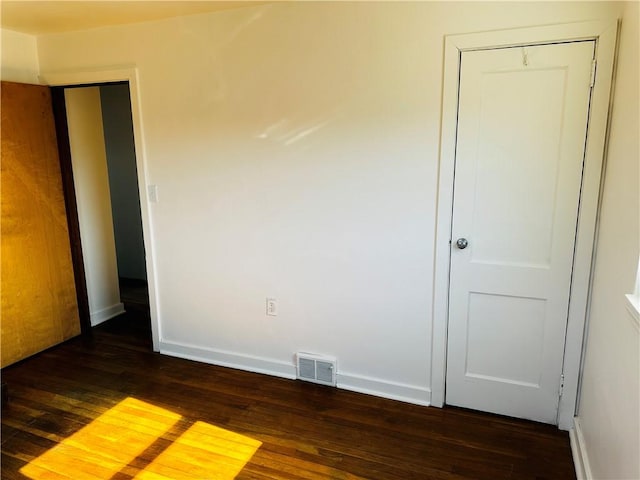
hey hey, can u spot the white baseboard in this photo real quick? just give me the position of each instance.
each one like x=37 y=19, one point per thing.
x=105 y=314
x=355 y=383
x=228 y=359
x=579 y=452
x=385 y=389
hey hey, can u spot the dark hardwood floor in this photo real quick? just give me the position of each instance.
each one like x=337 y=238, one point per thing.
x=76 y=411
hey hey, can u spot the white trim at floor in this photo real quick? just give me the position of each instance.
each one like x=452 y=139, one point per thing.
x=105 y=314
x=579 y=452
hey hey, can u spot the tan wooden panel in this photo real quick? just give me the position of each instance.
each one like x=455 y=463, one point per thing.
x=38 y=297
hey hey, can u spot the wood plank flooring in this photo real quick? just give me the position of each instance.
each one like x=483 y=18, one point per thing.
x=109 y=408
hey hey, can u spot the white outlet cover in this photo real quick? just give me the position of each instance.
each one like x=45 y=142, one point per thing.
x=272 y=307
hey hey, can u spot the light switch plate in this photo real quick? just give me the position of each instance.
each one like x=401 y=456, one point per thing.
x=153 y=193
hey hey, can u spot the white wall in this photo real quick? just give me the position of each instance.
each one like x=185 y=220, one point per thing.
x=123 y=180
x=19 y=57
x=295 y=147
x=609 y=413
x=89 y=161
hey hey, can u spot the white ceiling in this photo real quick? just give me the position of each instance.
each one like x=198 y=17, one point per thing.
x=41 y=17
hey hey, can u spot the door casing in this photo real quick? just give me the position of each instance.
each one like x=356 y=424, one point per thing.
x=130 y=75
x=605 y=35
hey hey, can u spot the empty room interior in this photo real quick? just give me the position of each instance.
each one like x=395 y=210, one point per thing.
x=320 y=240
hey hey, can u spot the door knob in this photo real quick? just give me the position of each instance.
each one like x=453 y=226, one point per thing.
x=462 y=243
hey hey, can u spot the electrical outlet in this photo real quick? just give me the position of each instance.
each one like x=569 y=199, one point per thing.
x=272 y=307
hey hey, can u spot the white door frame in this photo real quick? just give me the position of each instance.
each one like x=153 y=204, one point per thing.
x=605 y=35
x=54 y=79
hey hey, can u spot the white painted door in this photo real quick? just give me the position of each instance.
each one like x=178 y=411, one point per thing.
x=522 y=120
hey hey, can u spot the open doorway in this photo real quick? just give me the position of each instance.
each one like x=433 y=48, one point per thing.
x=102 y=163
x=117 y=123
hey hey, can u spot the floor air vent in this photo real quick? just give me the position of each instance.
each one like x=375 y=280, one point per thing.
x=316 y=368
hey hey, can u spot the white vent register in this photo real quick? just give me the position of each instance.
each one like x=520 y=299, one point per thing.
x=316 y=368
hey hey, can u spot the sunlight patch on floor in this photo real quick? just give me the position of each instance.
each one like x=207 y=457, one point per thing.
x=205 y=451
x=140 y=440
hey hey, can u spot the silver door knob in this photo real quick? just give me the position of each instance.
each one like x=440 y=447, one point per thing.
x=462 y=243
